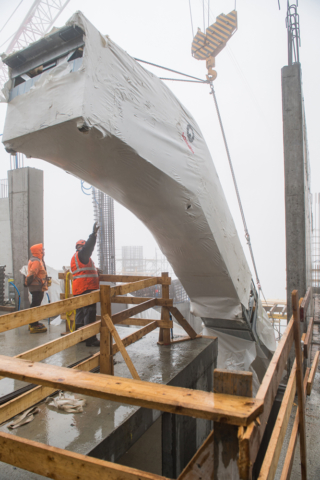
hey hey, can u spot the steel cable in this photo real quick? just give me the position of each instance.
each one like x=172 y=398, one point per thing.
x=247 y=236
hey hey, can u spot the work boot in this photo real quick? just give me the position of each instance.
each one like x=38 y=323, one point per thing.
x=37 y=328
x=92 y=342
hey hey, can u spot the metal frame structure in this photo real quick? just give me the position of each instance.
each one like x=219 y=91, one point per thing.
x=38 y=21
x=293 y=27
x=103 y=207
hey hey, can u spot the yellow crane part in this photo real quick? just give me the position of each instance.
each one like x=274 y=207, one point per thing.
x=206 y=46
x=71 y=322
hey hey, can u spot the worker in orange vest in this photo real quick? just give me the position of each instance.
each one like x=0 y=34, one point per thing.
x=85 y=280
x=37 y=282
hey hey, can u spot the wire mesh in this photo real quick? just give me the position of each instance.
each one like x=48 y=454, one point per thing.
x=103 y=207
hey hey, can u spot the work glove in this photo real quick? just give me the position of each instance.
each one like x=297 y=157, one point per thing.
x=95 y=228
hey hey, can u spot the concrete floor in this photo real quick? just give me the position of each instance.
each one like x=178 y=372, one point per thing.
x=82 y=432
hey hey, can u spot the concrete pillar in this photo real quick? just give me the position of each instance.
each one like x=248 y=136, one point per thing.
x=296 y=184
x=5 y=240
x=26 y=220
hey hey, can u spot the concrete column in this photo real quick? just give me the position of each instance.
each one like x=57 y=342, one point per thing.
x=5 y=240
x=296 y=183
x=26 y=220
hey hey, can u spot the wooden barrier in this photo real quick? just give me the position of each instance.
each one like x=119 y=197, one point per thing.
x=244 y=417
x=250 y=439
x=312 y=372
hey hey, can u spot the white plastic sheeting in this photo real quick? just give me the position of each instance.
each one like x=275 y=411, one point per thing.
x=139 y=145
x=265 y=330
x=236 y=354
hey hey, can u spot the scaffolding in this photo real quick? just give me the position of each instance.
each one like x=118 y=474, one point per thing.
x=103 y=207
x=132 y=260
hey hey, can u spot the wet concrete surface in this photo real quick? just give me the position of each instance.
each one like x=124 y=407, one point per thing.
x=82 y=432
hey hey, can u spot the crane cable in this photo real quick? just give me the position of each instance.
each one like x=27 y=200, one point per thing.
x=247 y=236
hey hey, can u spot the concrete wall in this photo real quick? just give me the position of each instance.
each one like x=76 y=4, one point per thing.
x=296 y=168
x=5 y=239
x=26 y=220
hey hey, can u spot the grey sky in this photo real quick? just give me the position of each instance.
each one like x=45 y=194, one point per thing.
x=248 y=88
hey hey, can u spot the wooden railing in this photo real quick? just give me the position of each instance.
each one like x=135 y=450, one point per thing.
x=239 y=420
x=250 y=438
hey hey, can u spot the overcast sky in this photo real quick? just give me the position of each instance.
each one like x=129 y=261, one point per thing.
x=248 y=89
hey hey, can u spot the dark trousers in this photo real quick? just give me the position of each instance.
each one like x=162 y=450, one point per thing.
x=86 y=315
x=37 y=298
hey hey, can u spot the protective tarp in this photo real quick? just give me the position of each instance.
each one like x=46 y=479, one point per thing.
x=237 y=354
x=265 y=330
x=107 y=120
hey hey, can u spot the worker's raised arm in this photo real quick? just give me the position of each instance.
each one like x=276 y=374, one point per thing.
x=86 y=251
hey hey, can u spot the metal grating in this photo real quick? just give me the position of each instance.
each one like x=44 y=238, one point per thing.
x=103 y=206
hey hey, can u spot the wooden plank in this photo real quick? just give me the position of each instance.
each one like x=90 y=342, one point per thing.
x=132 y=278
x=271 y=459
x=308 y=338
x=62 y=275
x=106 y=356
x=24 y=317
x=305 y=304
x=183 y=322
x=61 y=343
x=37 y=394
x=7 y=308
x=313 y=372
x=185 y=339
x=61 y=464
x=299 y=377
x=227 y=463
x=146 y=321
x=201 y=465
x=288 y=461
x=165 y=333
x=136 y=300
x=182 y=401
x=251 y=439
x=121 y=347
x=119 y=317
x=232 y=382
x=28 y=399
x=122 y=278
x=134 y=337
x=133 y=287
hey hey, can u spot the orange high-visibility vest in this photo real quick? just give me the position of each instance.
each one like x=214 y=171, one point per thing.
x=85 y=277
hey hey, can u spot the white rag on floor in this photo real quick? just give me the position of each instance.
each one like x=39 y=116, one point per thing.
x=68 y=404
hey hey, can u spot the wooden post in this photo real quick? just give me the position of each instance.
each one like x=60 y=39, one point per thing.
x=226 y=444
x=106 y=357
x=302 y=425
x=164 y=333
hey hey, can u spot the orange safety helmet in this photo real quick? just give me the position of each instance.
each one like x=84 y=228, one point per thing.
x=80 y=242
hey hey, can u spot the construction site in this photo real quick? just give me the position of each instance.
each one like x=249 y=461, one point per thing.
x=160 y=240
